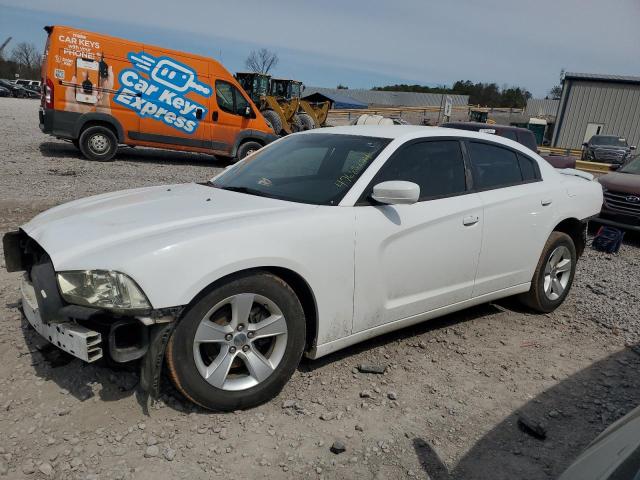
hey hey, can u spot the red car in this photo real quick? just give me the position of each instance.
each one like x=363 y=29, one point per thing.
x=621 y=207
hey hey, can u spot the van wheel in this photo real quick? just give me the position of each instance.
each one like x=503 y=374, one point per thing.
x=554 y=274
x=239 y=344
x=98 y=143
x=247 y=148
x=273 y=120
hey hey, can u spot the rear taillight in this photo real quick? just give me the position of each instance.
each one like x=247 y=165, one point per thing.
x=48 y=94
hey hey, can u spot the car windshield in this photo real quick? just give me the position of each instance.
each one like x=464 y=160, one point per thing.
x=315 y=168
x=632 y=167
x=609 y=141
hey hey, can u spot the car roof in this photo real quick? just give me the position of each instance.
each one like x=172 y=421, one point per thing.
x=409 y=132
x=479 y=125
x=404 y=133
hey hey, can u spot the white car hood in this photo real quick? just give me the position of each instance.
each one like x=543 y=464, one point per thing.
x=102 y=221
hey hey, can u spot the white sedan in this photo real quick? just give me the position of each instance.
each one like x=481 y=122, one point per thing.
x=315 y=242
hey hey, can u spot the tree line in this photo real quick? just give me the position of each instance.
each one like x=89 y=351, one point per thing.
x=485 y=94
x=24 y=60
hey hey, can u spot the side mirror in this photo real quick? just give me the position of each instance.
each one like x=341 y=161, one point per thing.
x=585 y=144
x=247 y=112
x=632 y=147
x=396 y=192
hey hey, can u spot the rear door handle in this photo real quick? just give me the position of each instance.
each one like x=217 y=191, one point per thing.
x=470 y=220
x=214 y=116
x=547 y=202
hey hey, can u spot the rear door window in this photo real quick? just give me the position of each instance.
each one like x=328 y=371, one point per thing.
x=493 y=166
x=529 y=168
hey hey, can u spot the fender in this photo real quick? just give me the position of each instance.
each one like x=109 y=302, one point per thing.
x=98 y=117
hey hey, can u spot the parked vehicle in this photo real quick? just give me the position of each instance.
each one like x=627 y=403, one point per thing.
x=23 y=82
x=621 y=207
x=521 y=135
x=517 y=134
x=607 y=149
x=316 y=242
x=280 y=103
x=613 y=455
x=16 y=90
x=115 y=91
x=4 y=92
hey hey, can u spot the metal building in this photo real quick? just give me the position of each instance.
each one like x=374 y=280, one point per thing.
x=594 y=104
x=377 y=98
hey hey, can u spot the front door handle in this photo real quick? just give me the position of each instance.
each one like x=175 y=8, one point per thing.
x=470 y=220
x=214 y=116
x=547 y=202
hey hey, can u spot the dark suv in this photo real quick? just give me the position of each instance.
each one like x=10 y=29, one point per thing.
x=517 y=134
x=607 y=149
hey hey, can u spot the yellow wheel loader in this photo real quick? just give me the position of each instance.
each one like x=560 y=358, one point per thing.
x=280 y=104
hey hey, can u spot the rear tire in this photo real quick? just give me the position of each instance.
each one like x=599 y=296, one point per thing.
x=307 y=121
x=554 y=274
x=98 y=143
x=273 y=120
x=219 y=355
x=247 y=148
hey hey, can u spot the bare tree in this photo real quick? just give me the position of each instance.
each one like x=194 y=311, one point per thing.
x=26 y=55
x=261 y=61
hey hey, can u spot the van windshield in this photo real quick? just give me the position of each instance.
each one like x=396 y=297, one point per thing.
x=315 y=168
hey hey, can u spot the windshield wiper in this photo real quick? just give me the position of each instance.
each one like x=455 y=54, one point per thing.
x=247 y=190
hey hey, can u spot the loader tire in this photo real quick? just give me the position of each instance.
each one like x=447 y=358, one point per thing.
x=306 y=121
x=273 y=120
x=296 y=124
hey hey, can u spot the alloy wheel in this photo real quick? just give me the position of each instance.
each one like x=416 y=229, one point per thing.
x=557 y=272
x=240 y=342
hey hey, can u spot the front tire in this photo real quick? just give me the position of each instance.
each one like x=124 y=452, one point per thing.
x=247 y=148
x=239 y=344
x=554 y=274
x=98 y=143
x=273 y=120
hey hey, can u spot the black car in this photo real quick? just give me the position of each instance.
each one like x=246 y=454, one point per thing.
x=607 y=149
x=16 y=90
x=4 y=92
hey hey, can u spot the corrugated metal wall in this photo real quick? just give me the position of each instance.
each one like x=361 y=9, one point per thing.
x=616 y=105
x=541 y=107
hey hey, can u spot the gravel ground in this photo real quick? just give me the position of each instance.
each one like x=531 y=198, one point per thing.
x=446 y=407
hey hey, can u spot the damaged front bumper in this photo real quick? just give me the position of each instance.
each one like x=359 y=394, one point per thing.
x=74 y=339
x=87 y=333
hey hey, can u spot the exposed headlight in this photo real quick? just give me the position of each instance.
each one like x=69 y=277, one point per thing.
x=102 y=289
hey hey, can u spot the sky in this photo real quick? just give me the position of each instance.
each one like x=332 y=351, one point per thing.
x=366 y=43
